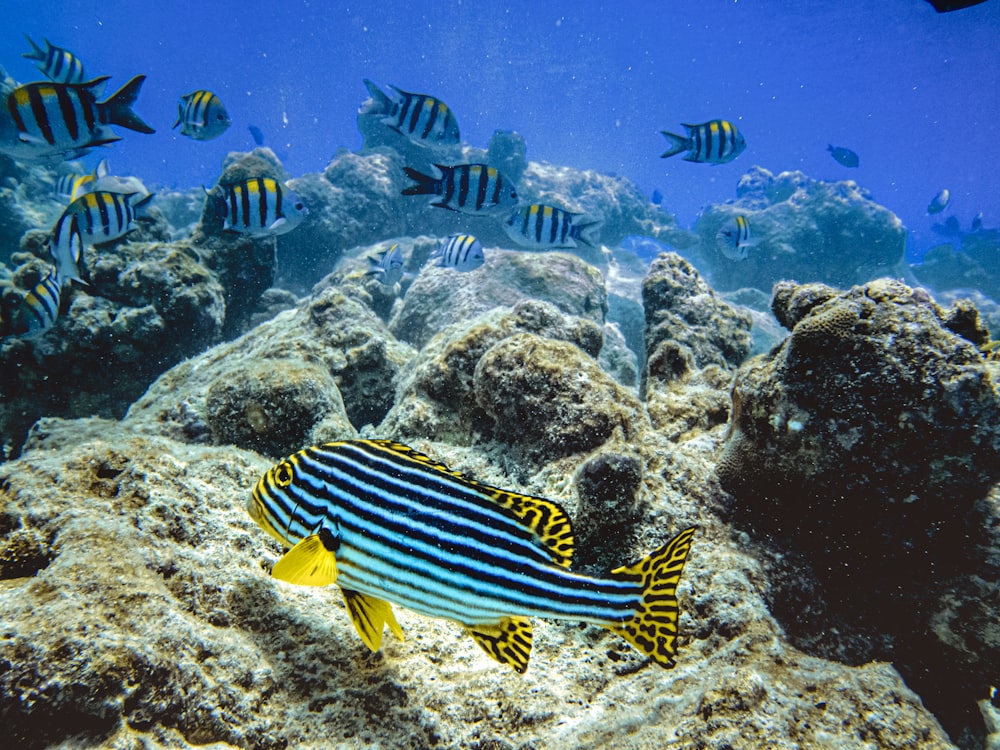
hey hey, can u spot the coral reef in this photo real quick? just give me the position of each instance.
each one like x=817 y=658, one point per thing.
x=864 y=446
x=967 y=263
x=803 y=229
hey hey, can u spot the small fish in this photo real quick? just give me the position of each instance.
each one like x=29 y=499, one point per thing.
x=57 y=64
x=202 y=116
x=712 y=142
x=419 y=117
x=977 y=222
x=65 y=245
x=940 y=202
x=28 y=314
x=387 y=266
x=466 y=188
x=257 y=134
x=656 y=198
x=733 y=239
x=544 y=226
x=72 y=186
x=462 y=252
x=100 y=216
x=40 y=120
x=259 y=207
x=389 y=524
x=843 y=156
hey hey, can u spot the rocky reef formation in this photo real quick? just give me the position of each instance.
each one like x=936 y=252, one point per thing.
x=967 y=263
x=866 y=446
x=802 y=229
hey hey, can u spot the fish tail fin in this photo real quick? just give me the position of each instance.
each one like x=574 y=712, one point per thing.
x=380 y=103
x=424 y=184
x=37 y=53
x=678 y=143
x=653 y=628
x=589 y=231
x=118 y=106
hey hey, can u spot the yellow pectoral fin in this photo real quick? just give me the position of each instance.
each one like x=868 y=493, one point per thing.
x=370 y=616
x=308 y=563
x=507 y=641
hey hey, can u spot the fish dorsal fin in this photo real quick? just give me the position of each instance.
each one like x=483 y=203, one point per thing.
x=546 y=519
x=311 y=562
x=370 y=616
x=507 y=641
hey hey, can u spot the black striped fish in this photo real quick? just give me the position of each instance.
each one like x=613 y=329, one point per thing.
x=40 y=120
x=202 y=116
x=57 y=64
x=544 y=226
x=389 y=524
x=463 y=252
x=72 y=186
x=466 y=188
x=419 y=117
x=259 y=207
x=34 y=312
x=387 y=266
x=712 y=142
x=733 y=238
x=65 y=243
x=100 y=216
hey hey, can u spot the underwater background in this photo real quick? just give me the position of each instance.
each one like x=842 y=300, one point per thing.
x=785 y=340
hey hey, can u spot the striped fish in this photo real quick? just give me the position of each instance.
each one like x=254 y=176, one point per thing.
x=40 y=120
x=72 y=186
x=712 y=142
x=100 y=216
x=387 y=266
x=389 y=524
x=466 y=188
x=65 y=243
x=544 y=226
x=259 y=207
x=463 y=252
x=57 y=64
x=419 y=117
x=34 y=312
x=202 y=116
x=733 y=238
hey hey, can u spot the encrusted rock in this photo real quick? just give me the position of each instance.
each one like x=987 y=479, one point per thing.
x=607 y=511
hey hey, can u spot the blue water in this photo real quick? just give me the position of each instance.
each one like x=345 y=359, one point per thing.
x=589 y=85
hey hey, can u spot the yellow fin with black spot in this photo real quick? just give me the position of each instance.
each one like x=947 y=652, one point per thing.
x=370 y=616
x=546 y=519
x=507 y=641
x=653 y=628
x=311 y=562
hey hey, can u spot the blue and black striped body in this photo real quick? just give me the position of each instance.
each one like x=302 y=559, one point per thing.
x=56 y=63
x=462 y=252
x=260 y=207
x=712 y=142
x=549 y=227
x=102 y=216
x=405 y=529
x=202 y=116
x=419 y=117
x=466 y=188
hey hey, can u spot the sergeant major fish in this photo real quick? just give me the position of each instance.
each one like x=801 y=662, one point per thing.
x=544 y=226
x=36 y=311
x=40 y=120
x=387 y=266
x=712 y=142
x=462 y=252
x=419 y=117
x=102 y=216
x=202 y=116
x=466 y=188
x=733 y=238
x=389 y=524
x=65 y=244
x=258 y=207
x=57 y=64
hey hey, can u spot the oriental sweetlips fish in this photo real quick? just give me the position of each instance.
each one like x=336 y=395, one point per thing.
x=466 y=188
x=39 y=120
x=258 y=207
x=462 y=252
x=202 y=116
x=57 y=64
x=544 y=226
x=419 y=117
x=712 y=142
x=389 y=524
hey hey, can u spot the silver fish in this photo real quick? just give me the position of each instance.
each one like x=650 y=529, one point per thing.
x=202 y=116
x=733 y=239
x=387 y=266
x=712 y=142
x=417 y=116
x=462 y=252
x=466 y=188
x=545 y=227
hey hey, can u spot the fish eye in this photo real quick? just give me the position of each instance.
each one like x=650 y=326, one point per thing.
x=283 y=475
x=299 y=206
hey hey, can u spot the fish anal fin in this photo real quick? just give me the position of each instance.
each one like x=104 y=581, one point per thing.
x=309 y=563
x=508 y=641
x=370 y=616
x=546 y=519
x=653 y=628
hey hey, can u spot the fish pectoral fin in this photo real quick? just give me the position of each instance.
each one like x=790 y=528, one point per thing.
x=278 y=224
x=370 y=616
x=508 y=641
x=308 y=563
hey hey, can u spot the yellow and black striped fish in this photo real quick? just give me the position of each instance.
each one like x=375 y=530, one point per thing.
x=549 y=227
x=712 y=142
x=101 y=216
x=258 y=207
x=33 y=312
x=466 y=188
x=202 y=116
x=388 y=524
x=419 y=117
x=39 y=120
x=56 y=63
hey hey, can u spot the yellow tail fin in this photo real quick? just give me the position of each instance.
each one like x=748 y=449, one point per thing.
x=653 y=629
